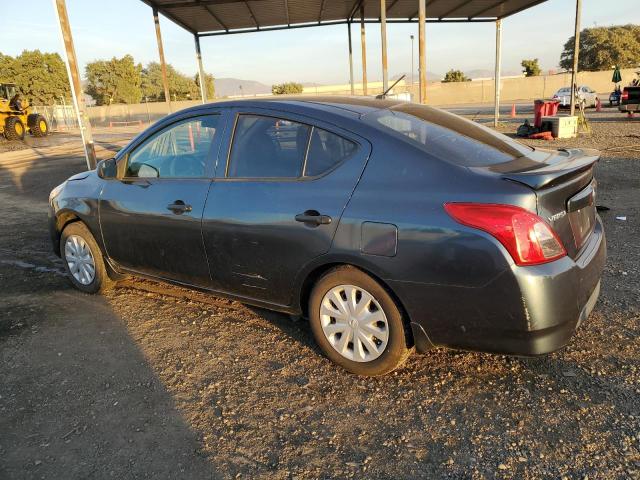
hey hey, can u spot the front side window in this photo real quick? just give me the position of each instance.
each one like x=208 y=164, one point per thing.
x=179 y=151
x=268 y=147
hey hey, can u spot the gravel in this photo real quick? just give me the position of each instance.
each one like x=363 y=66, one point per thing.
x=154 y=381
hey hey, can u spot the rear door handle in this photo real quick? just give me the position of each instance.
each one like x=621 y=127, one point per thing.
x=312 y=217
x=179 y=207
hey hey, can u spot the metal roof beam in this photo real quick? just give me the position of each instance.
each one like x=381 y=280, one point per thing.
x=457 y=7
x=198 y=3
x=286 y=11
x=430 y=2
x=321 y=10
x=486 y=9
x=215 y=17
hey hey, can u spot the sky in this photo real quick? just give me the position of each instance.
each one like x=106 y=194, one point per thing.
x=106 y=28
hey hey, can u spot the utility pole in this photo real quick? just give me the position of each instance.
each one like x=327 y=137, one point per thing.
x=411 y=60
x=576 y=54
x=77 y=94
x=163 y=64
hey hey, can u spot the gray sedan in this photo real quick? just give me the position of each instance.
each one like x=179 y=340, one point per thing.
x=391 y=226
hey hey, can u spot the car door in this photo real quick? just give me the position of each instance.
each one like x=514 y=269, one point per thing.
x=277 y=204
x=151 y=216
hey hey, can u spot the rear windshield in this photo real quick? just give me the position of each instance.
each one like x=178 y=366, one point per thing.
x=448 y=136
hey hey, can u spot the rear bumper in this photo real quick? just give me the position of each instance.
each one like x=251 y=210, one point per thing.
x=629 y=107
x=525 y=311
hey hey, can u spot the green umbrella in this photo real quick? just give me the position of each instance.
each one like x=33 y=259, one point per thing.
x=617 y=78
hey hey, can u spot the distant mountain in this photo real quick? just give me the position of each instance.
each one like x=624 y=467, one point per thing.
x=226 y=87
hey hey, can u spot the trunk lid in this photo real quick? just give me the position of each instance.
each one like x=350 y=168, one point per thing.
x=565 y=190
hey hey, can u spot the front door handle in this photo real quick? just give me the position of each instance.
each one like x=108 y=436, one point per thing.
x=313 y=217
x=179 y=207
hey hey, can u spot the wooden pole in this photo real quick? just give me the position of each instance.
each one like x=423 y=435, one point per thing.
x=201 y=75
x=576 y=54
x=422 y=50
x=498 y=73
x=363 y=46
x=163 y=65
x=353 y=87
x=383 y=35
x=77 y=94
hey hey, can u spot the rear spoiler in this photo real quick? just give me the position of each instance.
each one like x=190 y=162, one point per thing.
x=557 y=169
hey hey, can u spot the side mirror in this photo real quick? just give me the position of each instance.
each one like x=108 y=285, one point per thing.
x=108 y=168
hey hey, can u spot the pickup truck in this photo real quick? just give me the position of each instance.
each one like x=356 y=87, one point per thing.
x=630 y=99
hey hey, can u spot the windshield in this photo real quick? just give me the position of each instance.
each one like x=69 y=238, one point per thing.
x=448 y=136
x=565 y=90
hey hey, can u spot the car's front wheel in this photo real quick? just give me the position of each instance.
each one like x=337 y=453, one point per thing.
x=83 y=259
x=356 y=322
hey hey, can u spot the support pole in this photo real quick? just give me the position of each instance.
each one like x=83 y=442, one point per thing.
x=201 y=75
x=163 y=65
x=77 y=94
x=363 y=47
x=353 y=87
x=422 y=51
x=576 y=54
x=498 y=73
x=383 y=35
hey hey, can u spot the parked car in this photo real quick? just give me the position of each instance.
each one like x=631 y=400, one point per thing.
x=585 y=94
x=630 y=99
x=391 y=226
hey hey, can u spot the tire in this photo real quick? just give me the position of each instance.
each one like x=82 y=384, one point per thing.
x=14 y=129
x=38 y=125
x=356 y=357
x=77 y=236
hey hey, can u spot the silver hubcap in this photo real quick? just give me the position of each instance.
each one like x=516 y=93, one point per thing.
x=354 y=323
x=79 y=259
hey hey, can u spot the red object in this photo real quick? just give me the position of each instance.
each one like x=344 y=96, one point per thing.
x=542 y=108
x=541 y=136
x=527 y=237
x=598 y=105
x=625 y=95
x=513 y=110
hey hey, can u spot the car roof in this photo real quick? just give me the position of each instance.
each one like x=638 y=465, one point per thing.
x=344 y=105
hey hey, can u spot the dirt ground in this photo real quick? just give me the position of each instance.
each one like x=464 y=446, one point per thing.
x=152 y=381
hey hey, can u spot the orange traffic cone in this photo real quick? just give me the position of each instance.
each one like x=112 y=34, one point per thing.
x=598 y=105
x=513 y=110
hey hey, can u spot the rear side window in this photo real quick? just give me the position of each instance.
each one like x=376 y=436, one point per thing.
x=268 y=147
x=325 y=151
x=449 y=137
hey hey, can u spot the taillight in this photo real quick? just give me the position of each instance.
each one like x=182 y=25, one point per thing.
x=625 y=95
x=527 y=237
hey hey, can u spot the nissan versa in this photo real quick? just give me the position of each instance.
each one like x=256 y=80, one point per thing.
x=392 y=226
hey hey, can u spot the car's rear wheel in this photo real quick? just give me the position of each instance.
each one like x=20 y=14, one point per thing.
x=83 y=259
x=356 y=322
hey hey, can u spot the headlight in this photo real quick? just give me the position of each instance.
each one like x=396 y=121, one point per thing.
x=54 y=193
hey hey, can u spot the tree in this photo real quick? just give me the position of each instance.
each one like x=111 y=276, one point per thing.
x=114 y=81
x=181 y=87
x=286 y=88
x=209 y=83
x=40 y=77
x=455 y=76
x=603 y=47
x=531 y=67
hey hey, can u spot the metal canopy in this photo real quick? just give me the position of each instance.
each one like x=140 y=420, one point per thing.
x=220 y=17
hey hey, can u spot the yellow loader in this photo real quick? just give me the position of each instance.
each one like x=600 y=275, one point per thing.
x=15 y=123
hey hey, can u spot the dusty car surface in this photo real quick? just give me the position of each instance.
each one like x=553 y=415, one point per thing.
x=392 y=226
